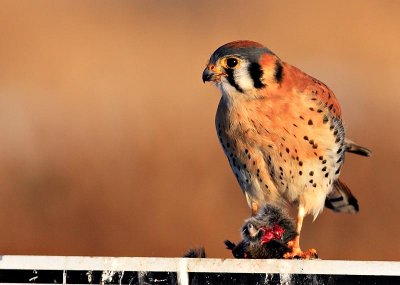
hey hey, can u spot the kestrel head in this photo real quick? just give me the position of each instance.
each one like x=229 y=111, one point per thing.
x=243 y=67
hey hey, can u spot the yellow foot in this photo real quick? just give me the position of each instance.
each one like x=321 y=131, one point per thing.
x=297 y=253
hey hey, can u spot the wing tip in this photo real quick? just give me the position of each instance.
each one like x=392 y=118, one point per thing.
x=357 y=149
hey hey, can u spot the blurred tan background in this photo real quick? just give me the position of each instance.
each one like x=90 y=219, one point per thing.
x=107 y=140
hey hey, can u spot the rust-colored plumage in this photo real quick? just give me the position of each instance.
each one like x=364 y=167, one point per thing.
x=281 y=130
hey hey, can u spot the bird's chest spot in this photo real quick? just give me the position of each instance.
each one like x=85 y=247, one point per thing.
x=248 y=165
x=309 y=153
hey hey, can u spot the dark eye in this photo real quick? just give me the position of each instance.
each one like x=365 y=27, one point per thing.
x=231 y=62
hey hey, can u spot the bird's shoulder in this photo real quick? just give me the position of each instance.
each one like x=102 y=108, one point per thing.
x=297 y=81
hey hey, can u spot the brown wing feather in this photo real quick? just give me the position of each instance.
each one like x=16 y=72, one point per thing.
x=297 y=79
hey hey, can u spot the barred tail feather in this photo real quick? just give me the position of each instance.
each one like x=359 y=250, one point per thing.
x=341 y=199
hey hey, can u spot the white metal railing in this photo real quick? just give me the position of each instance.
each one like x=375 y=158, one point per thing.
x=182 y=267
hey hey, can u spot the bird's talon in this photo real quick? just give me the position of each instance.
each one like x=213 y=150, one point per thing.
x=310 y=254
x=299 y=254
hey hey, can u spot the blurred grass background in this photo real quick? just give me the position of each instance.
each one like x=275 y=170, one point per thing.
x=107 y=140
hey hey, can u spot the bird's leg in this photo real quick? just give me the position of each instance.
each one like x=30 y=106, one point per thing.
x=254 y=208
x=294 y=245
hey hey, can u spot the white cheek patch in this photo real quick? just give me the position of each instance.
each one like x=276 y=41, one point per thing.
x=243 y=78
x=225 y=87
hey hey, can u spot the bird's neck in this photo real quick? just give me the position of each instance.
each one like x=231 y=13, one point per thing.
x=234 y=99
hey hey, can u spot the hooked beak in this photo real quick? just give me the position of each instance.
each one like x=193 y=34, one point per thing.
x=212 y=73
x=207 y=75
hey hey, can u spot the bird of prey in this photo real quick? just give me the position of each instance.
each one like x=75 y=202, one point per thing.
x=282 y=132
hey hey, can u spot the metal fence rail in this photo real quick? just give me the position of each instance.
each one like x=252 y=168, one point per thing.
x=183 y=271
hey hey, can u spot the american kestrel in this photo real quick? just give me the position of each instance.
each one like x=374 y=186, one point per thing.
x=282 y=132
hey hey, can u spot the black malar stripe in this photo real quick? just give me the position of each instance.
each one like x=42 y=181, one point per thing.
x=256 y=74
x=232 y=81
x=278 y=71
